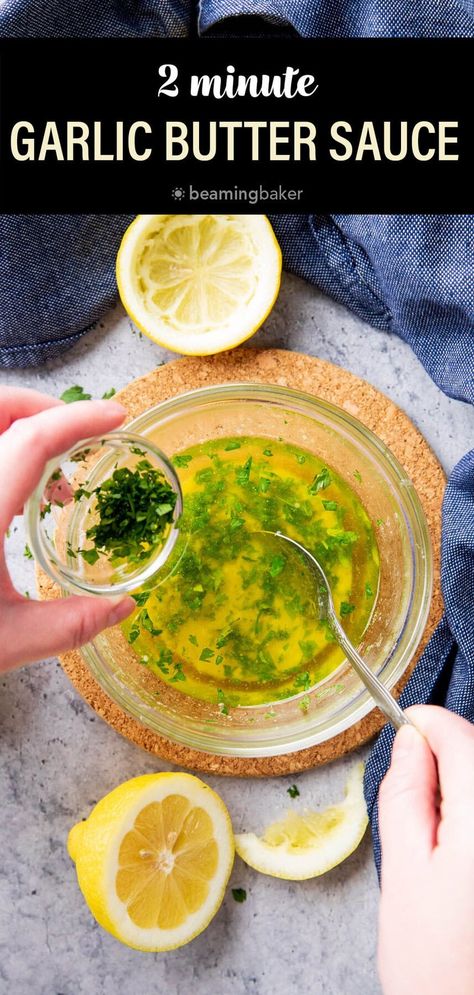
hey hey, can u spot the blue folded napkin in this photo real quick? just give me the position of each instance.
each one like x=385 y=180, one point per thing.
x=411 y=275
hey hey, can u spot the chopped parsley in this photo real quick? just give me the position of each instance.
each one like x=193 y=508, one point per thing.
x=147 y=623
x=80 y=457
x=133 y=508
x=207 y=654
x=357 y=476
x=75 y=393
x=27 y=552
x=368 y=591
x=330 y=505
x=134 y=633
x=320 y=482
x=239 y=894
x=346 y=608
x=232 y=444
x=181 y=460
x=242 y=473
x=178 y=675
x=89 y=555
x=221 y=702
x=141 y=599
x=302 y=681
x=293 y=791
x=108 y=394
x=277 y=565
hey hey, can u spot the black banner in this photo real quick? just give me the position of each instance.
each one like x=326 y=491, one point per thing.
x=352 y=125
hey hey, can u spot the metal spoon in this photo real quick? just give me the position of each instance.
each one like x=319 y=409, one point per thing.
x=382 y=697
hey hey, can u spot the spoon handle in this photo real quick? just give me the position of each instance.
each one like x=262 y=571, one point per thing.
x=382 y=697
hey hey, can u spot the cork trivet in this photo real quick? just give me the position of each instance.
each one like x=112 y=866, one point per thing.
x=377 y=412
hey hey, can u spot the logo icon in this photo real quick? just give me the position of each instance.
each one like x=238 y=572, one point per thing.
x=178 y=193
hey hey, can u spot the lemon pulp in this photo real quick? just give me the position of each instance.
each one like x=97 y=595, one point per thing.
x=306 y=844
x=237 y=621
x=166 y=863
x=153 y=859
x=199 y=283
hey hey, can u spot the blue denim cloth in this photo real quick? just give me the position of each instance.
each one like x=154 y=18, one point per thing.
x=445 y=673
x=57 y=277
x=413 y=276
x=309 y=18
x=409 y=274
x=351 y=18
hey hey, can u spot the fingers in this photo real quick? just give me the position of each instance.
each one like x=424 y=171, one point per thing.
x=30 y=442
x=408 y=813
x=451 y=739
x=19 y=402
x=33 y=630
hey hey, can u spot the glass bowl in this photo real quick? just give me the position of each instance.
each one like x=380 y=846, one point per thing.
x=402 y=605
x=57 y=520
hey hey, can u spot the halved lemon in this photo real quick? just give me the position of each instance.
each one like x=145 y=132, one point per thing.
x=305 y=845
x=199 y=283
x=153 y=859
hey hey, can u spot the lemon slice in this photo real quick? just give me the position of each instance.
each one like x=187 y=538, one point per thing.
x=199 y=283
x=153 y=859
x=306 y=845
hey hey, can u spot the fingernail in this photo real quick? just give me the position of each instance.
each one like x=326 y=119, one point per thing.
x=406 y=740
x=115 y=408
x=120 y=610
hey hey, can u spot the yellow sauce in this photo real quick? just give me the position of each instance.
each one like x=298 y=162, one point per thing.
x=237 y=622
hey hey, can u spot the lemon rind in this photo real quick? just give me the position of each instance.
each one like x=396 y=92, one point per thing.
x=282 y=862
x=209 y=342
x=97 y=865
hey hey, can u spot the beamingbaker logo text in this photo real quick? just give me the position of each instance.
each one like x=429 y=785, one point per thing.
x=254 y=196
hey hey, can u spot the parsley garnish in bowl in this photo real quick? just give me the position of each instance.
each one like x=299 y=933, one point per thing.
x=133 y=509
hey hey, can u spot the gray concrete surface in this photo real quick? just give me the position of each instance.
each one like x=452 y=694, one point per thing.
x=58 y=758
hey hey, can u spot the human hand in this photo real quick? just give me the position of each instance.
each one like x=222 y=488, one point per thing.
x=426 y=923
x=33 y=429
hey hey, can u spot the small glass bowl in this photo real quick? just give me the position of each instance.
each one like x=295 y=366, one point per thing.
x=57 y=521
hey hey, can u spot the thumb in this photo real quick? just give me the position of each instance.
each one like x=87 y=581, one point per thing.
x=33 y=630
x=408 y=812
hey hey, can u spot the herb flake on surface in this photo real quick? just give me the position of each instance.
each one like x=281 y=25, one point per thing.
x=74 y=393
x=239 y=894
